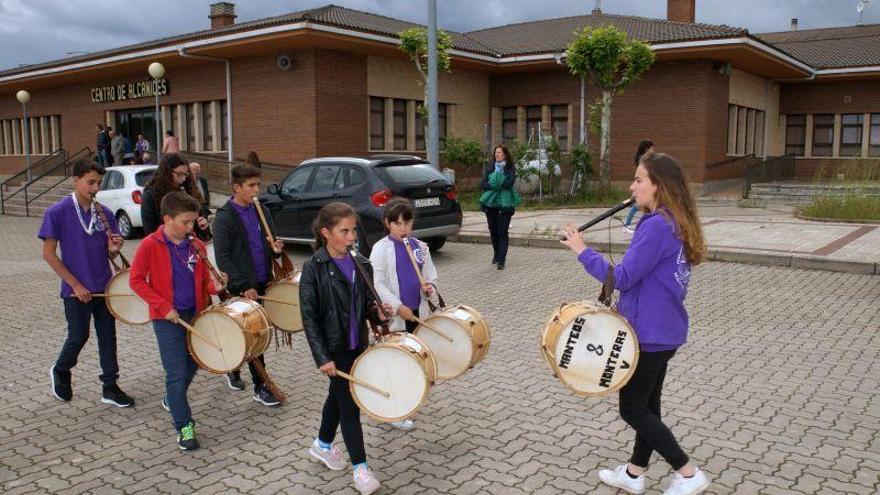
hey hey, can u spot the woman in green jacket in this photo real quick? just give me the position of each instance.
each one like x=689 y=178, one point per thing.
x=499 y=200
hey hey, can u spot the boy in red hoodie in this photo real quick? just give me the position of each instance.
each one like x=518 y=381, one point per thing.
x=169 y=274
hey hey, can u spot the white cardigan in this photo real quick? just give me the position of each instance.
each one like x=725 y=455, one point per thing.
x=384 y=263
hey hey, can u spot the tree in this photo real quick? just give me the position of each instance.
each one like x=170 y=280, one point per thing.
x=465 y=152
x=414 y=43
x=612 y=63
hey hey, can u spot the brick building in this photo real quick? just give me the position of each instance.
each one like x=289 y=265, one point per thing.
x=331 y=81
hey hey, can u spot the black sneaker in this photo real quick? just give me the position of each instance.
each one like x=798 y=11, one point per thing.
x=233 y=381
x=61 y=388
x=186 y=437
x=500 y=265
x=113 y=395
x=263 y=396
x=165 y=404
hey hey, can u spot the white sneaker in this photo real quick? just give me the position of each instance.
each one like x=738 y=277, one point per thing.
x=406 y=424
x=332 y=457
x=688 y=486
x=364 y=481
x=619 y=479
x=628 y=230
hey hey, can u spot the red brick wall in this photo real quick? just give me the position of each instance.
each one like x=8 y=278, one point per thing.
x=828 y=97
x=341 y=102
x=681 y=106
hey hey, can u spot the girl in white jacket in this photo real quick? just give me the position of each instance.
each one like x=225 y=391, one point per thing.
x=393 y=273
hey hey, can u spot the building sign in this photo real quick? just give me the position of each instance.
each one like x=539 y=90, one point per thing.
x=130 y=91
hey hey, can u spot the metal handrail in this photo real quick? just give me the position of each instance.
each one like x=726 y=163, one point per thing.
x=67 y=173
x=40 y=163
x=24 y=188
x=728 y=161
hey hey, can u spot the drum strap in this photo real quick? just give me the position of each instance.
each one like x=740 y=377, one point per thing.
x=608 y=287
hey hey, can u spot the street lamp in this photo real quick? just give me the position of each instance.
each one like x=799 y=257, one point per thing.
x=157 y=71
x=24 y=97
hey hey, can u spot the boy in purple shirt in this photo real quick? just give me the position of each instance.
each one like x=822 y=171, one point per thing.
x=245 y=252
x=73 y=224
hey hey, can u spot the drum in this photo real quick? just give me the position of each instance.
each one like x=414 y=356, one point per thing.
x=284 y=316
x=401 y=365
x=470 y=339
x=238 y=327
x=123 y=303
x=591 y=349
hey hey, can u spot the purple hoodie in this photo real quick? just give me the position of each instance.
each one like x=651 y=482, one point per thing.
x=652 y=279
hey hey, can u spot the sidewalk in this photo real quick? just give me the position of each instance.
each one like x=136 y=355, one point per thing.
x=763 y=236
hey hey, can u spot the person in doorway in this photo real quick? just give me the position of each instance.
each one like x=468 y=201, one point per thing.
x=140 y=147
x=117 y=148
x=171 y=144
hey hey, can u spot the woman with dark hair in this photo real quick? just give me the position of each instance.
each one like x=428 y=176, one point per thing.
x=645 y=146
x=172 y=175
x=653 y=279
x=499 y=200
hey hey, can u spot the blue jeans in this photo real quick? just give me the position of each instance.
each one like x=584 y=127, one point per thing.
x=180 y=369
x=79 y=315
x=632 y=213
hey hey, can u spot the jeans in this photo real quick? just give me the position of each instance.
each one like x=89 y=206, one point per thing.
x=79 y=315
x=632 y=213
x=180 y=369
x=341 y=409
x=640 y=408
x=499 y=224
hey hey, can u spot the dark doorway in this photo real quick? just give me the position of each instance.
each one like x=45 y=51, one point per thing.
x=130 y=123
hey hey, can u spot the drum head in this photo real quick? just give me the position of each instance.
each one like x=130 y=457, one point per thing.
x=595 y=353
x=395 y=371
x=453 y=358
x=479 y=330
x=124 y=304
x=286 y=317
x=223 y=331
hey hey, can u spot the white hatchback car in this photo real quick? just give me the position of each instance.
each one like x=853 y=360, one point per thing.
x=121 y=191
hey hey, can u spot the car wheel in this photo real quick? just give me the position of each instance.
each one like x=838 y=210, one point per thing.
x=435 y=243
x=124 y=223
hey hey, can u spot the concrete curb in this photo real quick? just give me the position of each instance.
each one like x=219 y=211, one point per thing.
x=724 y=255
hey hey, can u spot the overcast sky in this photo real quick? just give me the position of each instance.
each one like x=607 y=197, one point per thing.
x=33 y=31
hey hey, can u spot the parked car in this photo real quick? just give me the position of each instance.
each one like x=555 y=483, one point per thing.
x=121 y=191
x=366 y=184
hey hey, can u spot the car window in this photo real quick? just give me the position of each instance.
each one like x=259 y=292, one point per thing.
x=297 y=181
x=326 y=178
x=104 y=181
x=409 y=174
x=353 y=177
x=115 y=180
x=141 y=178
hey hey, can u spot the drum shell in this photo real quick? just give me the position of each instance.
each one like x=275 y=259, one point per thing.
x=131 y=310
x=238 y=313
x=471 y=324
x=284 y=317
x=561 y=320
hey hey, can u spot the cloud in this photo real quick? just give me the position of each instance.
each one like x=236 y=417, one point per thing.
x=38 y=31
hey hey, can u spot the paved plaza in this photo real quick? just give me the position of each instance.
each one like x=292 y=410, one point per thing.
x=776 y=393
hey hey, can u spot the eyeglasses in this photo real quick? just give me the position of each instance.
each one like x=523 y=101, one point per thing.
x=181 y=174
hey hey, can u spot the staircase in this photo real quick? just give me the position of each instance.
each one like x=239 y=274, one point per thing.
x=15 y=206
x=805 y=192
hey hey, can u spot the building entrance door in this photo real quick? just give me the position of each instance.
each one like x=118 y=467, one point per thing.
x=130 y=123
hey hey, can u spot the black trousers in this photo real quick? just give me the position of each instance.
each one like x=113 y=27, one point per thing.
x=340 y=409
x=79 y=316
x=640 y=408
x=499 y=224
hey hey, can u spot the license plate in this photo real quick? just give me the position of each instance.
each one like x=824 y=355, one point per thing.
x=421 y=203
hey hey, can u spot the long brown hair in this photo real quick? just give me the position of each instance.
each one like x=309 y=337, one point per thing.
x=330 y=215
x=163 y=182
x=674 y=195
x=508 y=158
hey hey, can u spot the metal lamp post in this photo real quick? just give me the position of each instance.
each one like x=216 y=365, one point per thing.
x=157 y=71
x=24 y=97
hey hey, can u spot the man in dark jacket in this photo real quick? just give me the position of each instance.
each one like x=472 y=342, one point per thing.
x=102 y=146
x=202 y=183
x=243 y=251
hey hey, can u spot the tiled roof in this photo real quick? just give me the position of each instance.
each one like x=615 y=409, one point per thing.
x=853 y=46
x=554 y=35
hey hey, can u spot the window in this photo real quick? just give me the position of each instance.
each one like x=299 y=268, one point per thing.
x=823 y=134
x=224 y=132
x=39 y=128
x=874 y=140
x=795 y=134
x=745 y=131
x=116 y=181
x=441 y=120
x=421 y=127
x=851 y=134
x=297 y=181
x=172 y=124
x=559 y=124
x=191 y=127
x=533 y=118
x=377 y=123
x=143 y=177
x=508 y=125
x=207 y=127
x=399 y=124
x=325 y=179
x=350 y=177
x=759 y=132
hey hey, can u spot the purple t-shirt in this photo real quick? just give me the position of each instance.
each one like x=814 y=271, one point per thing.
x=407 y=279
x=183 y=280
x=346 y=266
x=84 y=255
x=256 y=244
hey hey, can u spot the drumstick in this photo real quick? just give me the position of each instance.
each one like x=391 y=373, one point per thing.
x=431 y=328
x=197 y=334
x=107 y=294
x=412 y=259
x=363 y=384
x=259 y=208
x=279 y=301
